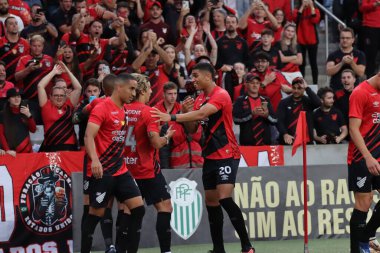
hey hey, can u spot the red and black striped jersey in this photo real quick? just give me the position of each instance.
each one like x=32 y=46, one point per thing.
x=110 y=140
x=10 y=53
x=365 y=105
x=30 y=82
x=119 y=63
x=141 y=157
x=85 y=47
x=220 y=141
x=157 y=78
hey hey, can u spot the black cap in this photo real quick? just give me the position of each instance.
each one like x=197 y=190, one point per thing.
x=13 y=92
x=250 y=77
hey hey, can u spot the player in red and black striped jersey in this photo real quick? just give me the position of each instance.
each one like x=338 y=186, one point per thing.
x=105 y=142
x=213 y=109
x=363 y=160
x=141 y=154
x=12 y=47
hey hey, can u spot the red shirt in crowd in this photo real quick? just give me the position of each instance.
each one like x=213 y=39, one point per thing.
x=254 y=30
x=5 y=88
x=110 y=140
x=365 y=105
x=370 y=13
x=306 y=26
x=220 y=141
x=141 y=157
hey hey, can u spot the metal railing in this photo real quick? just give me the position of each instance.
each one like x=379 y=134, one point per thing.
x=328 y=14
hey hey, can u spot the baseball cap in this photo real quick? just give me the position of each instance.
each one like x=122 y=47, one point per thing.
x=250 y=77
x=155 y=3
x=12 y=92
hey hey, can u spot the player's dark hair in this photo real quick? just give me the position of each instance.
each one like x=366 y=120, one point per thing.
x=323 y=91
x=108 y=84
x=125 y=78
x=205 y=66
x=170 y=86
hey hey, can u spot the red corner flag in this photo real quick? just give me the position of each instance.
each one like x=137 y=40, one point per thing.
x=302 y=134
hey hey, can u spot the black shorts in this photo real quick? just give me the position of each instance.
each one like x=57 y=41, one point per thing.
x=86 y=179
x=123 y=187
x=154 y=190
x=360 y=179
x=222 y=171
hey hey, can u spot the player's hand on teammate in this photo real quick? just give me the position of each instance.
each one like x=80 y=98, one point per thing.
x=97 y=169
x=160 y=116
x=373 y=165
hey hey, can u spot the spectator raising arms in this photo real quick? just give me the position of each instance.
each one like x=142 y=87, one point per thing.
x=57 y=112
x=16 y=122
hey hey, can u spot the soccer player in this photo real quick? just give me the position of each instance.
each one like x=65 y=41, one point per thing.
x=213 y=108
x=142 y=144
x=109 y=175
x=363 y=161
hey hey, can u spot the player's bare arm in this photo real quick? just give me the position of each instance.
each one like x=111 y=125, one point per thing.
x=89 y=142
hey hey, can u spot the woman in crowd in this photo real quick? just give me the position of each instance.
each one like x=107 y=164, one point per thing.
x=57 y=111
x=15 y=124
x=290 y=56
x=281 y=21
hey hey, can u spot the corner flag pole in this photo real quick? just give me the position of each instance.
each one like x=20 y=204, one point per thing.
x=305 y=198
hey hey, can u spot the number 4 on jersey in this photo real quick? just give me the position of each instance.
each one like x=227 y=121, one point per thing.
x=131 y=140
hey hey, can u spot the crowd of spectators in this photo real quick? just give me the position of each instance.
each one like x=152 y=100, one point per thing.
x=56 y=57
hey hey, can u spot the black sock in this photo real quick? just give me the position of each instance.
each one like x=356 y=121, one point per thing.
x=89 y=226
x=122 y=231
x=134 y=229
x=106 y=224
x=374 y=223
x=357 y=227
x=215 y=218
x=163 y=230
x=84 y=215
x=237 y=221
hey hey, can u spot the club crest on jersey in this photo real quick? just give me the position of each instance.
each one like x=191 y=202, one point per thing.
x=44 y=199
x=21 y=48
x=376 y=104
x=187 y=207
x=48 y=64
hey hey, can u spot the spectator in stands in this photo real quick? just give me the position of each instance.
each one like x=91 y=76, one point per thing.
x=281 y=21
x=12 y=47
x=80 y=117
x=41 y=26
x=69 y=57
x=239 y=87
x=16 y=122
x=136 y=14
x=20 y=8
x=91 y=47
x=231 y=49
x=183 y=150
x=4 y=14
x=199 y=49
x=290 y=107
x=57 y=112
x=284 y=5
x=307 y=18
x=67 y=38
x=92 y=12
x=219 y=23
x=342 y=96
x=122 y=58
x=370 y=34
x=272 y=81
x=157 y=25
x=265 y=44
x=63 y=16
x=329 y=124
x=254 y=114
x=290 y=56
x=185 y=24
x=29 y=71
x=346 y=57
x=177 y=72
x=4 y=85
x=158 y=74
x=172 y=12
x=102 y=70
x=254 y=25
